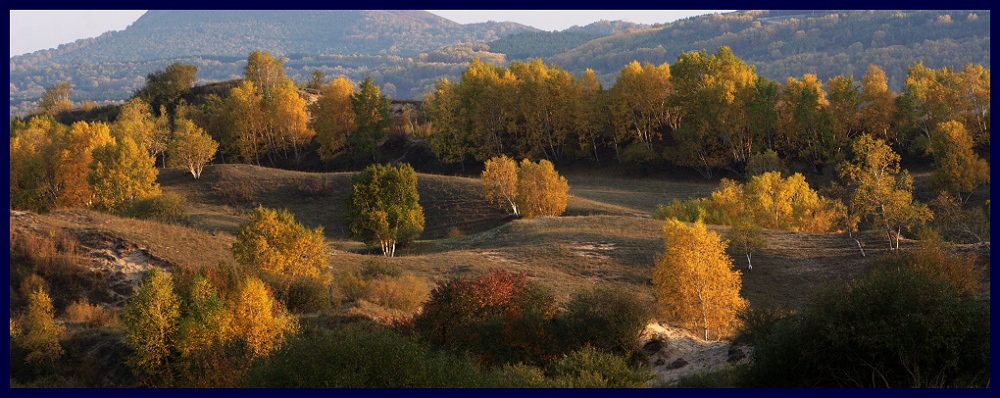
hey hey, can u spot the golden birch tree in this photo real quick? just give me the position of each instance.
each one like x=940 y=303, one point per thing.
x=263 y=323
x=500 y=182
x=694 y=283
x=333 y=117
x=541 y=191
x=191 y=148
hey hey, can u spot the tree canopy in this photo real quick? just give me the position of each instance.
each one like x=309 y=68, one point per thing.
x=694 y=283
x=384 y=206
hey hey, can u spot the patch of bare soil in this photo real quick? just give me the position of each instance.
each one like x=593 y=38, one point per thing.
x=676 y=353
x=122 y=261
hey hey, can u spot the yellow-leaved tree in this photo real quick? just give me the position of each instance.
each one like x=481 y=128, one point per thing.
x=500 y=182
x=541 y=191
x=880 y=190
x=694 y=282
x=55 y=99
x=333 y=118
x=258 y=319
x=73 y=162
x=120 y=174
x=957 y=168
x=274 y=246
x=191 y=148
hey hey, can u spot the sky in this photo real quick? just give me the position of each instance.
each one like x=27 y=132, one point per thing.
x=31 y=31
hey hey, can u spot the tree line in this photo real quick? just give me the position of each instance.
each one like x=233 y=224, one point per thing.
x=708 y=112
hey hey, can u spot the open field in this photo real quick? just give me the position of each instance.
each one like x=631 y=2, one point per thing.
x=606 y=235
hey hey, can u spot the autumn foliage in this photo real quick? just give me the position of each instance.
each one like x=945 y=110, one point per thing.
x=500 y=182
x=278 y=248
x=768 y=200
x=499 y=317
x=529 y=189
x=694 y=283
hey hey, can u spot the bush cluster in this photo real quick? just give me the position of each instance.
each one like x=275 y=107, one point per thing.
x=501 y=318
x=896 y=326
x=168 y=208
x=384 y=284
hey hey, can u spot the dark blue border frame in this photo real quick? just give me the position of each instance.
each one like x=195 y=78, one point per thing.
x=510 y=5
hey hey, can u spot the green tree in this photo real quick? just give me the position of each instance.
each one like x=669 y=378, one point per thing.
x=371 y=113
x=897 y=325
x=121 y=173
x=384 y=206
x=165 y=87
x=55 y=99
x=42 y=336
x=450 y=140
x=843 y=114
x=203 y=339
x=607 y=317
x=150 y=321
x=316 y=80
x=541 y=191
x=713 y=95
x=500 y=182
x=957 y=168
x=880 y=190
x=275 y=246
x=191 y=148
x=694 y=283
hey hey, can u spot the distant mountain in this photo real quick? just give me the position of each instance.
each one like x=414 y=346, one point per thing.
x=176 y=34
x=527 y=45
x=406 y=51
x=790 y=43
x=351 y=43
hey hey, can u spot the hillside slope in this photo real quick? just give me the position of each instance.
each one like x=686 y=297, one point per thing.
x=235 y=33
x=826 y=43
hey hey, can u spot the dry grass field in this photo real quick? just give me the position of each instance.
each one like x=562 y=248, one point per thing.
x=606 y=234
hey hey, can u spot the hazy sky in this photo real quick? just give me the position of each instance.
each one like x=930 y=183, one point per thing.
x=38 y=30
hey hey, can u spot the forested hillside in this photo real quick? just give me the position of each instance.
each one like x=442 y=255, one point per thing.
x=826 y=43
x=113 y=65
x=406 y=51
x=525 y=45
